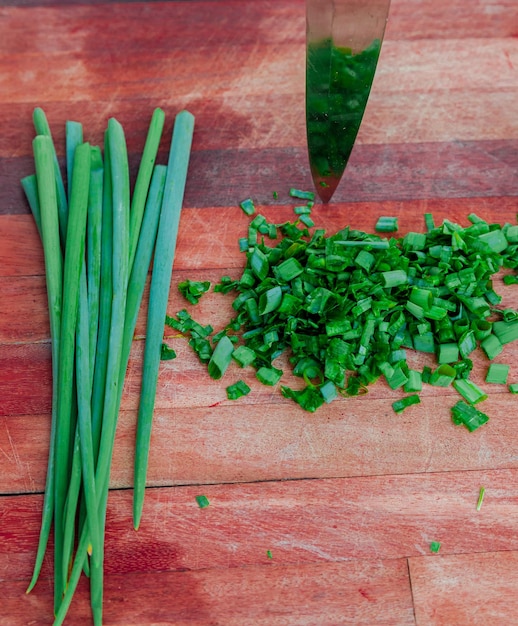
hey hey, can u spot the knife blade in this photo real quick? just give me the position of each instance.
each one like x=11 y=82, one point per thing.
x=343 y=43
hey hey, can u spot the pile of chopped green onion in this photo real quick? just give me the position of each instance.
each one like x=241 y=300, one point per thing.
x=346 y=308
x=98 y=242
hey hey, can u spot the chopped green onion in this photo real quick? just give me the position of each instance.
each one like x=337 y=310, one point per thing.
x=435 y=546
x=480 y=498
x=400 y=405
x=202 y=501
x=268 y=375
x=167 y=353
x=386 y=224
x=468 y=415
x=443 y=376
x=513 y=387
x=471 y=392
x=302 y=195
x=248 y=206
x=497 y=373
x=237 y=390
x=192 y=290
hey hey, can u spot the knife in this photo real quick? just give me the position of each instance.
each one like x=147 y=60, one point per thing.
x=343 y=43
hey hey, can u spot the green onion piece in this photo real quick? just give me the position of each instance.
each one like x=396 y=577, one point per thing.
x=414 y=382
x=443 y=376
x=513 y=387
x=495 y=240
x=269 y=554
x=400 y=405
x=270 y=300
x=307 y=221
x=491 y=346
x=221 y=358
x=192 y=290
x=447 y=353
x=497 y=373
x=302 y=210
x=481 y=494
x=435 y=546
x=145 y=172
x=159 y=291
x=429 y=222
x=268 y=375
x=309 y=398
x=467 y=343
x=471 y=392
x=167 y=353
x=237 y=390
x=506 y=331
x=243 y=356
x=202 y=501
x=248 y=206
x=30 y=188
x=386 y=224
x=328 y=391
x=302 y=195
x=468 y=415
x=394 y=278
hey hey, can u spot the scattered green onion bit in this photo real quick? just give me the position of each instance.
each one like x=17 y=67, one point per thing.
x=497 y=373
x=468 y=415
x=513 y=387
x=386 y=224
x=237 y=390
x=192 y=290
x=248 y=206
x=400 y=405
x=269 y=554
x=302 y=195
x=202 y=501
x=480 y=498
x=471 y=392
x=167 y=353
x=435 y=546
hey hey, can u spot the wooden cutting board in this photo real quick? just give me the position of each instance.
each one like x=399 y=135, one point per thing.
x=313 y=519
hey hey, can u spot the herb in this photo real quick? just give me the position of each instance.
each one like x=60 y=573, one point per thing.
x=435 y=546
x=480 y=498
x=97 y=259
x=237 y=390
x=192 y=290
x=400 y=405
x=202 y=501
x=468 y=415
x=386 y=225
x=497 y=373
x=167 y=353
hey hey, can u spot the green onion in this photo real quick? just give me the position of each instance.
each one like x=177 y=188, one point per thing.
x=237 y=390
x=159 y=292
x=386 y=224
x=513 y=387
x=248 y=206
x=202 y=501
x=491 y=346
x=480 y=498
x=400 y=405
x=471 y=392
x=269 y=375
x=143 y=181
x=243 y=356
x=221 y=358
x=443 y=376
x=192 y=290
x=447 y=353
x=497 y=373
x=302 y=195
x=468 y=415
x=167 y=353
x=435 y=546
x=44 y=162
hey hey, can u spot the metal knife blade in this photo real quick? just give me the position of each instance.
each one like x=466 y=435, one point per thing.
x=343 y=42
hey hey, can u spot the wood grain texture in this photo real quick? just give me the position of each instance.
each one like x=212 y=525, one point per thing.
x=475 y=589
x=348 y=499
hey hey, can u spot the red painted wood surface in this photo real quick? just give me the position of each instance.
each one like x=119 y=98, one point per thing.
x=349 y=499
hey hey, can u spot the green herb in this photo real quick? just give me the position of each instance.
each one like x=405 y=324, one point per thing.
x=202 y=501
x=269 y=554
x=480 y=498
x=158 y=297
x=167 y=353
x=513 y=387
x=302 y=195
x=471 y=392
x=468 y=415
x=497 y=373
x=400 y=405
x=435 y=546
x=386 y=225
x=192 y=290
x=237 y=390
x=248 y=206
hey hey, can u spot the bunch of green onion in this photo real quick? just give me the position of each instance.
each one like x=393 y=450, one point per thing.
x=98 y=241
